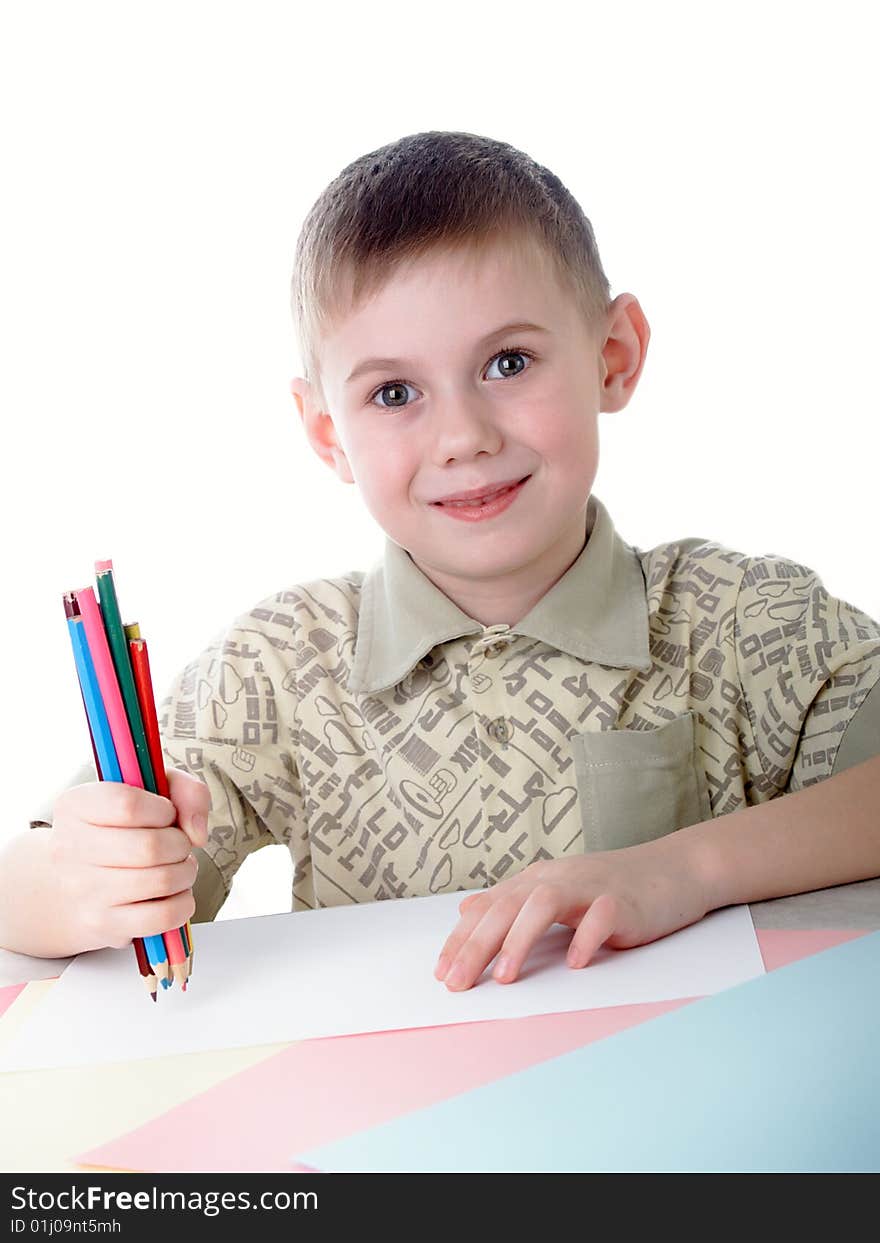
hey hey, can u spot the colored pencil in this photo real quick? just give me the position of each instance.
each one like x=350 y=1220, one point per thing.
x=143 y=683
x=140 y=666
x=119 y=650
x=158 y=957
x=96 y=637
x=144 y=965
x=96 y=715
x=110 y=693
x=186 y=933
x=174 y=946
x=122 y=665
x=92 y=740
x=123 y=726
x=178 y=970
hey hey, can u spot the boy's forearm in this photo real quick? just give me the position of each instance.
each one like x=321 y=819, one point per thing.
x=34 y=915
x=827 y=834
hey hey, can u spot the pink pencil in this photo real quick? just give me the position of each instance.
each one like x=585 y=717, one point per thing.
x=110 y=693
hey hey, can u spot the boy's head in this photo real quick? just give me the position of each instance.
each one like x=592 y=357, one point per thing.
x=414 y=257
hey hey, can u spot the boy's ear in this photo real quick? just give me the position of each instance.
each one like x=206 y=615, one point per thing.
x=319 y=428
x=623 y=354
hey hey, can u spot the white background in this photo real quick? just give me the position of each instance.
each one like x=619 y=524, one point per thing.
x=157 y=164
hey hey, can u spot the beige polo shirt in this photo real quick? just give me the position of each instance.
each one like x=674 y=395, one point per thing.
x=398 y=747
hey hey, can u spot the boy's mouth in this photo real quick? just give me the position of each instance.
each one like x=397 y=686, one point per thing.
x=487 y=505
x=475 y=499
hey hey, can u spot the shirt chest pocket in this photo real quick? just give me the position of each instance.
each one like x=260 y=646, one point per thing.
x=637 y=785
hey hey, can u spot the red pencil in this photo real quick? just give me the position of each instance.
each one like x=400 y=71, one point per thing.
x=140 y=667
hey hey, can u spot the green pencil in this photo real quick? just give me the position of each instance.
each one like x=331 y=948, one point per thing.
x=122 y=663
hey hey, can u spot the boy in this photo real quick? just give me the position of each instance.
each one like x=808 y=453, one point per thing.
x=515 y=700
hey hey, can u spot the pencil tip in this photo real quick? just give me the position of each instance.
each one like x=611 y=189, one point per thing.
x=166 y=984
x=153 y=995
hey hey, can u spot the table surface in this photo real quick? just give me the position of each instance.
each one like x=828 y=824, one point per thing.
x=843 y=906
x=855 y=906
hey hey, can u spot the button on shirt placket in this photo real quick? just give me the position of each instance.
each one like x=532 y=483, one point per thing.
x=494 y=732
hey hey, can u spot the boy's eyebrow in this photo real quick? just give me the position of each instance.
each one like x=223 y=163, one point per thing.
x=366 y=365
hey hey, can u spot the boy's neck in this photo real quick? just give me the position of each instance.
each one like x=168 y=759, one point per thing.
x=508 y=598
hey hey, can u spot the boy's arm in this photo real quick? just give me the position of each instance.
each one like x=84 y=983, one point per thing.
x=809 y=670
x=826 y=834
x=823 y=834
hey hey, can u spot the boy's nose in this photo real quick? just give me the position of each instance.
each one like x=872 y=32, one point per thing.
x=464 y=426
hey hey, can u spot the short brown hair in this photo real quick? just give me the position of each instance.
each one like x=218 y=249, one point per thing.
x=438 y=190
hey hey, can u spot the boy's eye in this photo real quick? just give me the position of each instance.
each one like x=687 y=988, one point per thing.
x=397 y=388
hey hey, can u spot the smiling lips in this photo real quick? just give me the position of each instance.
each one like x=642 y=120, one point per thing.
x=476 y=497
x=479 y=508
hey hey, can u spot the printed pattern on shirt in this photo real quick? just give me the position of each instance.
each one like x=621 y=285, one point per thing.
x=463 y=772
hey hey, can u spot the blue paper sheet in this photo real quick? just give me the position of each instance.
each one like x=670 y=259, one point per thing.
x=779 y=1074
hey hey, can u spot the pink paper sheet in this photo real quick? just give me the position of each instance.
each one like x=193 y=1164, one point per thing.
x=316 y=1091
x=8 y=994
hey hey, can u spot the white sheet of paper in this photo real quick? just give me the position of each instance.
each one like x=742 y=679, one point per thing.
x=349 y=969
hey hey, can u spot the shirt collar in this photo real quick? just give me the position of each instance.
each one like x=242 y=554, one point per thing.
x=597 y=611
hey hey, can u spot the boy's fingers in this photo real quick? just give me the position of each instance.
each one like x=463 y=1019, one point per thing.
x=192 y=798
x=110 y=803
x=456 y=940
x=143 y=884
x=593 y=931
x=152 y=918
x=120 y=847
x=535 y=917
x=482 y=945
x=473 y=909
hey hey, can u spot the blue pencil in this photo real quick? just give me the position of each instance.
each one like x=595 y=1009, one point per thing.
x=158 y=956
x=88 y=681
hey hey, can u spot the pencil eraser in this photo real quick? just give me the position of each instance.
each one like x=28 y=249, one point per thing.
x=101 y=566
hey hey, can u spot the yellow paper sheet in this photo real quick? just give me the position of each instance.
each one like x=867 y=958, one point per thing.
x=49 y=1114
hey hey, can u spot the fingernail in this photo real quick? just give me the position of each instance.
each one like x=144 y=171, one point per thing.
x=442 y=966
x=502 y=969
x=455 y=977
x=200 y=825
x=574 y=958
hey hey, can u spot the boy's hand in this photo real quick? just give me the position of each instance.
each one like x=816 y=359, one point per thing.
x=622 y=897
x=126 y=867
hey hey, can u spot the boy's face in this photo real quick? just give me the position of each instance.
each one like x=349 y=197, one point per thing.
x=466 y=407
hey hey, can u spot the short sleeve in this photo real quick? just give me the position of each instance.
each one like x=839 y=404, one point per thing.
x=229 y=720
x=807 y=661
x=861 y=739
